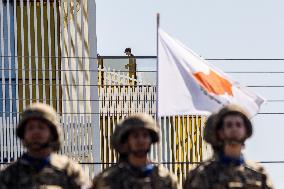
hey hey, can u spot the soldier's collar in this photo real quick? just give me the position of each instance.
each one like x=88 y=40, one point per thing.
x=229 y=160
x=38 y=163
x=142 y=171
x=29 y=158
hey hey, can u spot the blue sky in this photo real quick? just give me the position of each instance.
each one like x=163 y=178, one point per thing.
x=213 y=29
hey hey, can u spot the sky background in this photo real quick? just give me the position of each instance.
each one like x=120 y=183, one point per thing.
x=214 y=29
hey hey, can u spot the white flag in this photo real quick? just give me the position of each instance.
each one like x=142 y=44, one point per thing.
x=188 y=84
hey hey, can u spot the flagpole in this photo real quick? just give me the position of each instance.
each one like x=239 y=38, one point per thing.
x=157 y=79
x=157 y=62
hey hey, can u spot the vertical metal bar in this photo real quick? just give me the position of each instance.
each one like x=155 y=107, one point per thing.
x=83 y=52
x=179 y=146
x=17 y=73
x=56 y=55
x=157 y=62
x=86 y=142
x=92 y=41
x=16 y=57
x=63 y=74
x=15 y=138
x=76 y=54
x=188 y=139
x=49 y=52
x=16 y=77
x=2 y=57
x=69 y=131
x=29 y=52
x=5 y=137
x=42 y=51
x=69 y=59
x=83 y=137
x=36 y=51
x=3 y=77
x=183 y=145
x=23 y=52
x=170 y=143
x=10 y=86
x=174 y=143
x=2 y=137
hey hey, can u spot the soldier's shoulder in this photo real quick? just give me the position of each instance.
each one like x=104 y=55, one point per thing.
x=62 y=162
x=14 y=167
x=204 y=169
x=71 y=168
x=254 y=166
x=206 y=166
x=197 y=177
x=111 y=172
x=9 y=173
x=166 y=177
x=256 y=170
x=164 y=172
x=107 y=176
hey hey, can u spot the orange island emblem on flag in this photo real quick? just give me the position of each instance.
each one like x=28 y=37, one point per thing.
x=214 y=83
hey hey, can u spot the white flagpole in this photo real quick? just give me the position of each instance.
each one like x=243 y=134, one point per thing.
x=157 y=63
x=157 y=83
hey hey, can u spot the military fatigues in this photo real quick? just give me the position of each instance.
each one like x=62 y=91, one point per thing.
x=218 y=175
x=222 y=172
x=54 y=171
x=123 y=176
x=58 y=172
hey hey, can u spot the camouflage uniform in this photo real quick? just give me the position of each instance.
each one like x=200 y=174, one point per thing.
x=125 y=176
x=54 y=171
x=58 y=172
x=218 y=175
x=221 y=172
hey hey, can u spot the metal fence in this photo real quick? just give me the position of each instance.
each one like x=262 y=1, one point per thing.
x=44 y=45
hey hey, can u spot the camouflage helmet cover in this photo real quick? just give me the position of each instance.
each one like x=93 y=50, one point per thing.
x=43 y=112
x=131 y=123
x=215 y=123
x=209 y=130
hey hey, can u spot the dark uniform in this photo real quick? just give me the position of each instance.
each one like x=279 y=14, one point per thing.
x=54 y=171
x=124 y=175
x=218 y=174
x=223 y=172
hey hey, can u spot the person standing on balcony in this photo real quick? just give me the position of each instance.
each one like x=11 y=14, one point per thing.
x=40 y=166
x=227 y=131
x=133 y=138
x=131 y=66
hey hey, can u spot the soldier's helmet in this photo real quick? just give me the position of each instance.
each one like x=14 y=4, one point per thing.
x=215 y=123
x=127 y=50
x=132 y=123
x=45 y=113
x=209 y=131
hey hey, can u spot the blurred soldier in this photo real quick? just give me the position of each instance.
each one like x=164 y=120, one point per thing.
x=227 y=131
x=133 y=138
x=131 y=66
x=40 y=166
